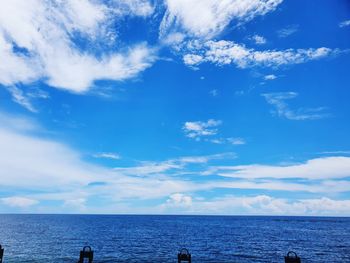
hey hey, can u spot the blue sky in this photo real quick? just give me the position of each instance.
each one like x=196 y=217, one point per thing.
x=175 y=107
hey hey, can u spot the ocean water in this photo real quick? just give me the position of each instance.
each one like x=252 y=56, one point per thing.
x=124 y=238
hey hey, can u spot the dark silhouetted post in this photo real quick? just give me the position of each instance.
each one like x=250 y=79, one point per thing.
x=86 y=253
x=292 y=257
x=183 y=256
x=1 y=253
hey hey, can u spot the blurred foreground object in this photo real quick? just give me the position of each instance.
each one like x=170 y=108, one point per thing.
x=292 y=257
x=183 y=256
x=86 y=253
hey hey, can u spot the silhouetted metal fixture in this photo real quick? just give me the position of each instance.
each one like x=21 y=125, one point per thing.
x=1 y=253
x=86 y=253
x=292 y=257
x=183 y=255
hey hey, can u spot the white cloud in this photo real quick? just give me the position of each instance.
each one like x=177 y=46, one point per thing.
x=179 y=200
x=215 y=15
x=229 y=140
x=204 y=158
x=19 y=97
x=175 y=164
x=76 y=204
x=264 y=204
x=236 y=141
x=198 y=129
x=35 y=162
x=287 y=31
x=275 y=184
x=31 y=163
x=149 y=168
x=259 y=40
x=174 y=39
x=282 y=108
x=107 y=155
x=270 y=77
x=314 y=169
x=227 y=52
x=18 y=201
x=191 y=59
x=25 y=97
x=37 y=93
x=141 y=8
x=51 y=170
x=13 y=122
x=42 y=32
x=344 y=23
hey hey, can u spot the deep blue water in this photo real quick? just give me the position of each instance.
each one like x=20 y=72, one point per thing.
x=59 y=238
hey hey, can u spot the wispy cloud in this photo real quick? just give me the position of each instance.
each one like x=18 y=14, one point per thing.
x=19 y=97
x=59 y=173
x=181 y=15
x=344 y=23
x=50 y=54
x=149 y=168
x=26 y=97
x=287 y=31
x=107 y=155
x=171 y=166
x=229 y=140
x=282 y=109
x=198 y=129
x=205 y=158
x=141 y=8
x=314 y=169
x=18 y=201
x=228 y=52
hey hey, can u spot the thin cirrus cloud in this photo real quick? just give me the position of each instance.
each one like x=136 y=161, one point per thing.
x=282 y=109
x=18 y=96
x=172 y=166
x=216 y=15
x=107 y=155
x=228 y=52
x=36 y=43
x=229 y=140
x=314 y=169
x=287 y=31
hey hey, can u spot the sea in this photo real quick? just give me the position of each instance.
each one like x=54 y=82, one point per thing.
x=158 y=238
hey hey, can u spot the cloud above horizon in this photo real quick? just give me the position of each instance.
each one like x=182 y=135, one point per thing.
x=59 y=172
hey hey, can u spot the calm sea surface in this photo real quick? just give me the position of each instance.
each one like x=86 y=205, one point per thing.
x=59 y=238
